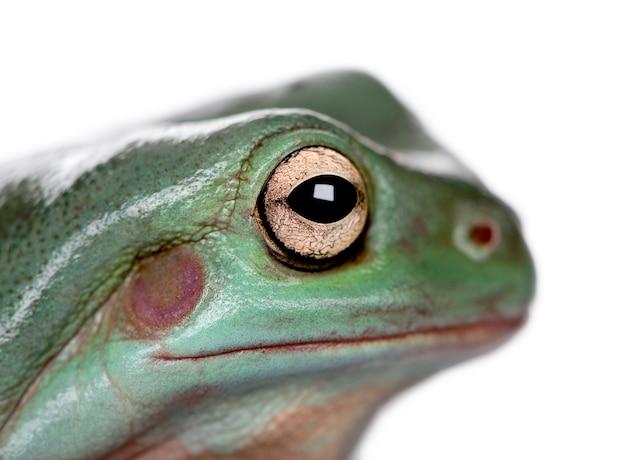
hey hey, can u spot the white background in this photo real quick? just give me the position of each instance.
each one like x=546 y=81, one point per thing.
x=530 y=94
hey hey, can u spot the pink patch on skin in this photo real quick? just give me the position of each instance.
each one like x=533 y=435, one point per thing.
x=166 y=288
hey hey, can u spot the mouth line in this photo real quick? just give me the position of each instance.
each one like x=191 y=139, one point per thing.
x=437 y=338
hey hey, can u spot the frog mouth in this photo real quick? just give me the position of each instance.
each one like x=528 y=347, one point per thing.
x=464 y=338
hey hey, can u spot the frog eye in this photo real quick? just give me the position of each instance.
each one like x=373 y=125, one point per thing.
x=313 y=208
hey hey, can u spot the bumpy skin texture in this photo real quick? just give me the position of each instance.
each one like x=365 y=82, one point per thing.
x=143 y=316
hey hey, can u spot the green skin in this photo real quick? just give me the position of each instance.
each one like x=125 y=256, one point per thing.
x=258 y=359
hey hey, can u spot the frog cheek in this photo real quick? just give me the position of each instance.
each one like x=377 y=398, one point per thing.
x=165 y=289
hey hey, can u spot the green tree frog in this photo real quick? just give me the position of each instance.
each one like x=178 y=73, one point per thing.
x=250 y=280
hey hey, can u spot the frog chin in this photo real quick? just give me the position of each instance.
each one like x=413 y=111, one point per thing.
x=461 y=340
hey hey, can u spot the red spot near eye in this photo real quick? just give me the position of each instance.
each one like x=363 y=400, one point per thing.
x=166 y=287
x=482 y=234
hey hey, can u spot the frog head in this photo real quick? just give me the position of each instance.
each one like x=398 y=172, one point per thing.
x=257 y=285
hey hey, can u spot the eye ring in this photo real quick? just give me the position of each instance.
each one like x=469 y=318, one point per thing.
x=313 y=208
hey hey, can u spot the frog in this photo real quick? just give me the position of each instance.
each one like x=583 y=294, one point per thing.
x=251 y=279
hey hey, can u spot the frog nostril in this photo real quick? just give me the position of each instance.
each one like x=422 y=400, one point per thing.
x=482 y=233
x=477 y=238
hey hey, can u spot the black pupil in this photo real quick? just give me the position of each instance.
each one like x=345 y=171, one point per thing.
x=323 y=199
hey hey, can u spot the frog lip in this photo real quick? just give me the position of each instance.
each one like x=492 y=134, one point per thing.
x=477 y=335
